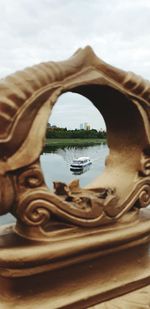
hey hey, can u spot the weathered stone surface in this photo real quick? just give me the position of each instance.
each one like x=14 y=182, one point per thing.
x=75 y=247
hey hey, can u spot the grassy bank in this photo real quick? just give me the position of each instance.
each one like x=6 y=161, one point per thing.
x=68 y=142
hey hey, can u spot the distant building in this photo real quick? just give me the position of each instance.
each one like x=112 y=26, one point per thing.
x=86 y=126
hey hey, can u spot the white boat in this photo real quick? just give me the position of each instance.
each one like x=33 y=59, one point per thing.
x=80 y=164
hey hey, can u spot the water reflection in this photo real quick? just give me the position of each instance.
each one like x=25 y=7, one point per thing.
x=56 y=167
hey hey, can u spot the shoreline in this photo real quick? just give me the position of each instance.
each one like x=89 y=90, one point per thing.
x=69 y=142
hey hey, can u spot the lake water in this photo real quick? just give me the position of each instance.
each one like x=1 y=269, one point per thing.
x=56 y=167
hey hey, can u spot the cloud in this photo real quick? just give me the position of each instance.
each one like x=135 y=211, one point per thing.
x=42 y=30
x=73 y=109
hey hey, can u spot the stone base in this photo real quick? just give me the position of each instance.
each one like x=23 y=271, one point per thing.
x=76 y=268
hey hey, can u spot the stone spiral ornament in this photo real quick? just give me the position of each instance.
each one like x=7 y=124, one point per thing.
x=26 y=101
x=34 y=211
x=144 y=196
x=145 y=166
x=31 y=177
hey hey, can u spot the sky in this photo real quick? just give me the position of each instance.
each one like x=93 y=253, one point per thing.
x=42 y=30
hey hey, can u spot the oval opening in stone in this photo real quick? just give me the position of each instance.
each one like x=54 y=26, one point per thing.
x=75 y=129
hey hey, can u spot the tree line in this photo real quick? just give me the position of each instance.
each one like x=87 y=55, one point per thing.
x=77 y=133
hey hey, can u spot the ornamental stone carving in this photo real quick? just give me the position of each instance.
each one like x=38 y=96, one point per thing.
x=75 y=247
x=26 y=101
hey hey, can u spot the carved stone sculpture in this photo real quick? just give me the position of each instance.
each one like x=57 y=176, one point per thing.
x=27 y=98
x=108 y=206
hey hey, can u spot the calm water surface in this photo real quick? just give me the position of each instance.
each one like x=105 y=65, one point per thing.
x=56 y=167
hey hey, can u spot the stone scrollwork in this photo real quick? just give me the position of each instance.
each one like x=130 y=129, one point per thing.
x=34 y=211
x=31 y=177
x=144 y=196
x=30 y=209
x=145 y=166
x=26 y=100
x=82 y=207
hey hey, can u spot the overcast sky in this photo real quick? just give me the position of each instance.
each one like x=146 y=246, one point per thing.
x=34 y=31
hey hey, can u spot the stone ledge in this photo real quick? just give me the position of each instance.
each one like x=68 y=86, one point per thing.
x=137 y=299
x=76 y=272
